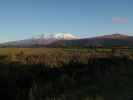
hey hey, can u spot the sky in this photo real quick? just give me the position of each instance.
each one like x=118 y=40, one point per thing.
x=20 y=19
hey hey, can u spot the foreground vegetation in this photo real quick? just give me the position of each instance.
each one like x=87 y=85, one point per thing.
x=58 y=74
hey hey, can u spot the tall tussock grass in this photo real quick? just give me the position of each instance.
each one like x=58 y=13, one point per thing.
x=65 y=76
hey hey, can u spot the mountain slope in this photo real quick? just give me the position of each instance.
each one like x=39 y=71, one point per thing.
x=68 y=40
x=101 y=41
x=42 y=40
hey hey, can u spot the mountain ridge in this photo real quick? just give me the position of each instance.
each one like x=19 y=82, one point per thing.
x=69 y=40
x=99 y=41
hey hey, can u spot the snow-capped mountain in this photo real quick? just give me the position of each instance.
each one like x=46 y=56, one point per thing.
x=69 y=40
x=43 y=39
x=117 y=40
x=58 y=36
x=65 y=36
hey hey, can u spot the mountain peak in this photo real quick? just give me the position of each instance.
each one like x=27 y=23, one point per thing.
x=65 y=36
x=58 y=36
x=118 y=34
x=115 y=36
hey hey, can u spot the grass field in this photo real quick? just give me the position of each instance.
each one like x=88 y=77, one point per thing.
x=38 y=51
x=27 y=50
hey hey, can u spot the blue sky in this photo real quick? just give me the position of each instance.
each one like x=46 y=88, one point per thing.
x=20 y=19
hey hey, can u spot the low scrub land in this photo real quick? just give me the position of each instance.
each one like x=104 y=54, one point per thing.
x=66 y=74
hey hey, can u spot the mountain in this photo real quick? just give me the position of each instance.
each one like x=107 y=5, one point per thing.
x=100 y=41
x=41 y=40
x=69 y=40
x=64 y=36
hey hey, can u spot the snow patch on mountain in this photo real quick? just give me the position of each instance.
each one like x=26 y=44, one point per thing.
x=58 y=36
x=65 y=36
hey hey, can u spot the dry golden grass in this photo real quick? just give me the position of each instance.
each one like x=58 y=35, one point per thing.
x=28 y=51
x=54 y=56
